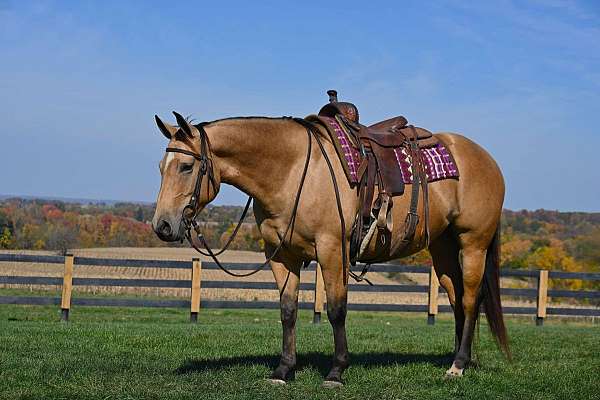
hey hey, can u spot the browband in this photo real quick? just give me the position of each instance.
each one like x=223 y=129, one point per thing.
x=183 y=151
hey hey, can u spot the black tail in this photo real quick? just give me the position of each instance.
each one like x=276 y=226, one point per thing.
x=490 y=291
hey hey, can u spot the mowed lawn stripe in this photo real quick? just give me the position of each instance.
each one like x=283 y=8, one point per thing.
x=106 y=353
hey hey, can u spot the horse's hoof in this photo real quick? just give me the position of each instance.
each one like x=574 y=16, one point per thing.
x=276 y=382
x=454 y=372
x=332 y=384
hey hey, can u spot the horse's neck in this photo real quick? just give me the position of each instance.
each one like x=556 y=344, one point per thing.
x=256 y=155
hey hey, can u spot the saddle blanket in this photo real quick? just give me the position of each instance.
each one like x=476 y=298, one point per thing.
x=439 y=163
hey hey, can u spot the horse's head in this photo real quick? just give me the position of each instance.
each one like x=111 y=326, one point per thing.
x=190 y=180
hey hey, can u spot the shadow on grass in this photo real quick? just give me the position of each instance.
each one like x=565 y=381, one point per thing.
x=319 y=361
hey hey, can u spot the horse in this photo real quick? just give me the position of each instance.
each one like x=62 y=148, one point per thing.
x=290 y=179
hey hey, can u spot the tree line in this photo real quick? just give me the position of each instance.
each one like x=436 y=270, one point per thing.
x=60 y=226
x=568 y=241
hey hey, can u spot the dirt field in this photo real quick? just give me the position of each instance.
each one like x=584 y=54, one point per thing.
x=184 y=254
x=27 y=269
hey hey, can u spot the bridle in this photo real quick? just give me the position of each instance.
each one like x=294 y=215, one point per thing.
x=191 y=210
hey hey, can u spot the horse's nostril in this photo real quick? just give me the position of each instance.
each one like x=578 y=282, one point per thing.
x=164 y=228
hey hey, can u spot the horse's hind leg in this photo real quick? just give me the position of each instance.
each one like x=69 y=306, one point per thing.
x=445 y=252
x=287 y=275
x=472 y=256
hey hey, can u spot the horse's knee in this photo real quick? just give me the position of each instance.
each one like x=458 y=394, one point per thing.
x=336 y=313
x=289 y=312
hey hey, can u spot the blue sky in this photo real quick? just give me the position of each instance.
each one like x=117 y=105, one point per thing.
x=80 y=82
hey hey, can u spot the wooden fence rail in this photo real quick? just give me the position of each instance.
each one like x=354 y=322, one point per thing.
x=195 y=283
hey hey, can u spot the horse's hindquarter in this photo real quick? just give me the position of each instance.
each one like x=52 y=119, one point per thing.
x=480 y=192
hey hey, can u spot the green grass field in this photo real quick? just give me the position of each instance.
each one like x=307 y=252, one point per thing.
x=156 y=354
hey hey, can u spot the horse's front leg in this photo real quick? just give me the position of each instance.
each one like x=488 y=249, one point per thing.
x=287 y=275
x=337 y=299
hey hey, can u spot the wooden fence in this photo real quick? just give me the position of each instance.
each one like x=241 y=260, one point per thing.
x=541 y=293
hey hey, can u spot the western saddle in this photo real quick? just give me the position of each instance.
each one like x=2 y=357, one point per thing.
x=377 y=146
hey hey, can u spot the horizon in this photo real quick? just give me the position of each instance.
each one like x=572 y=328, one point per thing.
x=82 y=82
x=83 y=201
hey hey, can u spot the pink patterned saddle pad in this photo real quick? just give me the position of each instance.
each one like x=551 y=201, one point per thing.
x=439 y=163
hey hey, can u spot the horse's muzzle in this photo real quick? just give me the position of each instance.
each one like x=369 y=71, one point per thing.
x=166 y=231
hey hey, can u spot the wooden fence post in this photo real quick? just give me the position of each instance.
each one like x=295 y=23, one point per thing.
x=195 y=298
x=319 y=295
x=67 y=287
x=542 y=297
x=432 y=308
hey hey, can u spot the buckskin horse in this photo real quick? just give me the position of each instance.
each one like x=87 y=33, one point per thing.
x=306 y=210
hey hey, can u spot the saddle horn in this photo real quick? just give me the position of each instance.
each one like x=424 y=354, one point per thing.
x=332 y=96
x=335 y=107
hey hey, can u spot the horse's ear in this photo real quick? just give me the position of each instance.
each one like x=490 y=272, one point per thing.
x=166 y=129
x=183 y=124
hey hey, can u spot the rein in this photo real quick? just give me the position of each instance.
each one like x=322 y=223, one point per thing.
x=190 y=211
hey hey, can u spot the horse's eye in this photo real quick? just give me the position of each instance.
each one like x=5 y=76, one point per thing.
x=186 y=168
